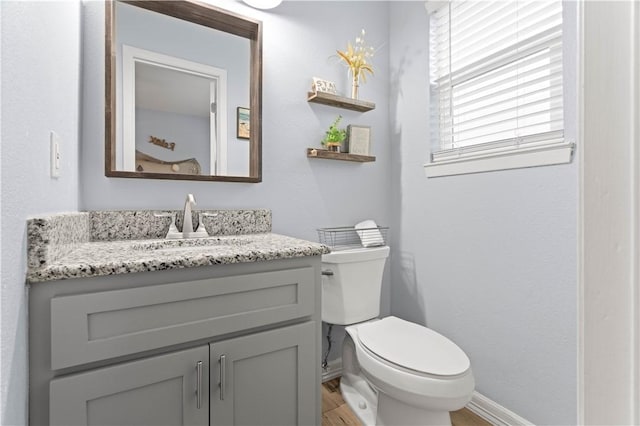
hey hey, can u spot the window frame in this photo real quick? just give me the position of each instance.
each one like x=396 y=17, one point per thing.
x=505 y=155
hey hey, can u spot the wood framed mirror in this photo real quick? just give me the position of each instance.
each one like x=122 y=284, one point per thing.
x=183 y=96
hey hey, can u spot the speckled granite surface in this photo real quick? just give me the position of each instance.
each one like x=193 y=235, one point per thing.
x=51 y=237
x=134 y=225
x=74 y=245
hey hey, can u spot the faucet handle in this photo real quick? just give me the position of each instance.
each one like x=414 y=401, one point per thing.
x=173 y=232
x=202 y=230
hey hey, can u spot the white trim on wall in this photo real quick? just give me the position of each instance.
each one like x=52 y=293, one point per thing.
x=533 y=156
x=609 y=214
x=580 y=258
x=636 y=234
x=494 y=413
x=333 y=370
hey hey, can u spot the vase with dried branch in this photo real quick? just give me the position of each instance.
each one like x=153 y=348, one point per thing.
x=358 y=57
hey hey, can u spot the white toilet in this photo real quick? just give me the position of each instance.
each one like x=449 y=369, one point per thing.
x=394 y=372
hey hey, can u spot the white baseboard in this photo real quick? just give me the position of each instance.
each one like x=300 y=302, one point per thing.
x=494 y=413
x=334 y=369
x=480 y=405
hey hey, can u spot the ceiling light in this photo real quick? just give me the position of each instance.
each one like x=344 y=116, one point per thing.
x=263 y=4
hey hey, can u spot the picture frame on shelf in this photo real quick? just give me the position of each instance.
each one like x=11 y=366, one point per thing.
x=323 y=86
x=243 y=123
x=359 y=139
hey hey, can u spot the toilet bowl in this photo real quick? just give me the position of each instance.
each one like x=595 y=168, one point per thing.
x=417 y=374
x=394 y=372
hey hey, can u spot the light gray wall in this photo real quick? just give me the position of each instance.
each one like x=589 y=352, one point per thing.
x=489 y=259
x=300 y=42
x=40 y=92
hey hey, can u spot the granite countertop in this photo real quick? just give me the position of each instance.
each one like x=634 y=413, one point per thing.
x=124 y=257
x=70 y=245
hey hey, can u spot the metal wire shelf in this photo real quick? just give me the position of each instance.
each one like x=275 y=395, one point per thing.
x=348 y=237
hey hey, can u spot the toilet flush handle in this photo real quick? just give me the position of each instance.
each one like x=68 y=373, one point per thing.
x=327 y=272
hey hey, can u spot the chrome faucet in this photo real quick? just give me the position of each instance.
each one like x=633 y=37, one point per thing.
x=187 y=224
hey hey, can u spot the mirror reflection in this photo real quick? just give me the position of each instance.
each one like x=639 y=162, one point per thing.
x=186 y=95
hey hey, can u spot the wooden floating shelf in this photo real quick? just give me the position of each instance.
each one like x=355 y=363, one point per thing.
x=340 y=101
x=330 y=155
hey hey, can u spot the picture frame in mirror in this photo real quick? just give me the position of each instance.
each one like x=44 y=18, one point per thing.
x=243 y=123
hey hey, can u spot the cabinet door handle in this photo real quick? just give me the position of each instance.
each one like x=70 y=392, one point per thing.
x=199 y=384
x=223 y=375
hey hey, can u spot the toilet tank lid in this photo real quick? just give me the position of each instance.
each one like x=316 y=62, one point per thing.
x=356 y=255
x=413 y=346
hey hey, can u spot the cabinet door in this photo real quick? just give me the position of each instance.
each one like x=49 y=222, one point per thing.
x=171 y=389
x=267 y=378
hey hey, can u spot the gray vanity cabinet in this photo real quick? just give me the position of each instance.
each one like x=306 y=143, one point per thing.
x=261 y=379
x=170 y=389
x=153 y=348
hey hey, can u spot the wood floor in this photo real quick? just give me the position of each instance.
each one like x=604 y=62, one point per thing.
x=335 y=412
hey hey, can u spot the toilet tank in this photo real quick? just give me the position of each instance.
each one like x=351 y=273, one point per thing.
x=351 y=284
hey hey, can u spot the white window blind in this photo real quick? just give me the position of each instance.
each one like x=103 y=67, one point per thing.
x=496 y=75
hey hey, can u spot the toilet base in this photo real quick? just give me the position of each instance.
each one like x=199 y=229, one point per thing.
x=377 y=409
x=360 y=397
x=392 y=412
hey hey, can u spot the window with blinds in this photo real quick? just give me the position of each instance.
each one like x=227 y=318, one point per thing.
x=496 y=75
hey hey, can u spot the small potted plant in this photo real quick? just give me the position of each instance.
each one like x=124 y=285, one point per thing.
x=334 y=136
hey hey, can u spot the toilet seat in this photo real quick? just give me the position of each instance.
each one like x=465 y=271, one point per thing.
x=414 y=347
